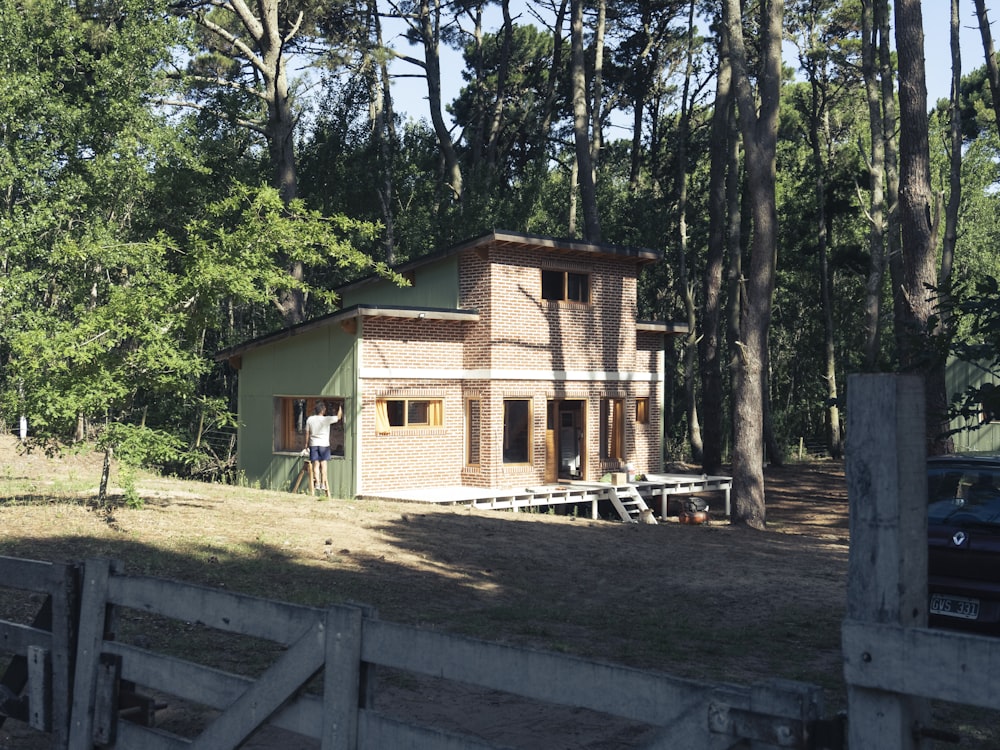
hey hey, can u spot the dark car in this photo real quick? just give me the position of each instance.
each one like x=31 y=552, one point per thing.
x=963 y=529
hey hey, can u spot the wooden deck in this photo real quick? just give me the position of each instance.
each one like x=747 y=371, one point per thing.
x=655 y=488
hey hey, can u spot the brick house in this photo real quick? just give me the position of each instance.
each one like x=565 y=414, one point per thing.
x=509 y=360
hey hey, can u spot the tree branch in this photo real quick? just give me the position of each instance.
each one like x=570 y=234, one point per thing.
x=202 y=20
x=220 y=82
x=248 y=124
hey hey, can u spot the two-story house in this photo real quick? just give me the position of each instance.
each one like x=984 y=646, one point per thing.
x=509 y=360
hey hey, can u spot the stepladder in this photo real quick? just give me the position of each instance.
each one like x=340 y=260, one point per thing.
x=305 y=473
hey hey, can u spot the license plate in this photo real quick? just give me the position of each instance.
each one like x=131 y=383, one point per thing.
x=955 y=606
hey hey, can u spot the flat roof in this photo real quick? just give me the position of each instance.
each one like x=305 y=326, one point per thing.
x=520 y=241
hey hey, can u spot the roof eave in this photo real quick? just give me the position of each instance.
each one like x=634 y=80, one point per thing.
x=344 y=318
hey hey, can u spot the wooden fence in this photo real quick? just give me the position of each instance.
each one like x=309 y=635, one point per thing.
x=893 y=663
x=322 y=684
x=36 y=686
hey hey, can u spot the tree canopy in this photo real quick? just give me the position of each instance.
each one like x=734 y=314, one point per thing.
x=180 y=176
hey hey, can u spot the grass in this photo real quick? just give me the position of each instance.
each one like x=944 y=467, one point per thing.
x=707 y=603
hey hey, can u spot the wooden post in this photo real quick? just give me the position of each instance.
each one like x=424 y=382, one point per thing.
x=887 y=583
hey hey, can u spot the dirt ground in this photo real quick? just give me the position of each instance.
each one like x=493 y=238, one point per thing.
x=709 y=602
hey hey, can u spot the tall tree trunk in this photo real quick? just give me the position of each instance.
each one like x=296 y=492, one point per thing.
x=890 y=124
x=876 y=171
x=992 y=70
x=760 y=134
x=737 y=233
x=955 y=160
x=551 y=89
x=280 y=137
x=635 y=152
x=574 y=180
x=685 y=286
x=430 y=31
x=709 y=346
x=916 y=206
x=383 y=131
x=279 y=129
x=503 y=71
x=581 y=134
x=597 y=105
x=819 y=141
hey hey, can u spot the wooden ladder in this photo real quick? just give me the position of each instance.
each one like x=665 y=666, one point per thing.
x=630 y=504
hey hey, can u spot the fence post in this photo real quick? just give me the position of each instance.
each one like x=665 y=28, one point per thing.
x=887 y=570
x=342 y=681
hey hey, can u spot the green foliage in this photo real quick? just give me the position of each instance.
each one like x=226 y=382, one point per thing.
x=111 y=292
x=239 y=249
x=137 y=239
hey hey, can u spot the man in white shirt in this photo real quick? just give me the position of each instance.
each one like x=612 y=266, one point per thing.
x=318 y=442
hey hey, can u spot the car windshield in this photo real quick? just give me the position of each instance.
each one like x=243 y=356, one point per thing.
x=969 y=494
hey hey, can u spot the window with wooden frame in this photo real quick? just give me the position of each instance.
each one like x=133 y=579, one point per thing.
x=989 y=403
x=517 y=431
x=642 y=410
x=613 y=428
x=473 y=425
x=565 y=286
x=407 y=413
x=290 y=415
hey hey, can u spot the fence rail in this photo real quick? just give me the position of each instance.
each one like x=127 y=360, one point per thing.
x=36 y=686
x=322 y=686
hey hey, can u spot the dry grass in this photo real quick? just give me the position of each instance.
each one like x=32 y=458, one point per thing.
x=708 y=602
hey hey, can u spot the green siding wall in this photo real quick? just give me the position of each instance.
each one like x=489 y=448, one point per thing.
x=959 y=376
x=322 y=362
x=434 y=285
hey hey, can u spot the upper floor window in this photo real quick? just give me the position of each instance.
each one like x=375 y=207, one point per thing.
x=565 y=286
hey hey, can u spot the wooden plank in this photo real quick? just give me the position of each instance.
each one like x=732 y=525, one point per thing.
x=15 y=677
x=887 y=564
x=342 y=678
x=65 y=599
x=30 y=575
x=55 y=629
x=235 y=613
x=105 y=729
x=650 y=697
x=934 y=664
x=40 y=689
x=289 y=673
x=207 y=686
x=15 y=638
x=93 y=614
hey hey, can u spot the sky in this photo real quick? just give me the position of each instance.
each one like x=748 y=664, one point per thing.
x=937 y=42
x=409 y=94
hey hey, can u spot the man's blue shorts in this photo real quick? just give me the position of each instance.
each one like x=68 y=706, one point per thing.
x=319 y=452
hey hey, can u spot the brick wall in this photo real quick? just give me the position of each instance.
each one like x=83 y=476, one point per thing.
x=408 y=343
x=417 y=456
x=517 y=330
